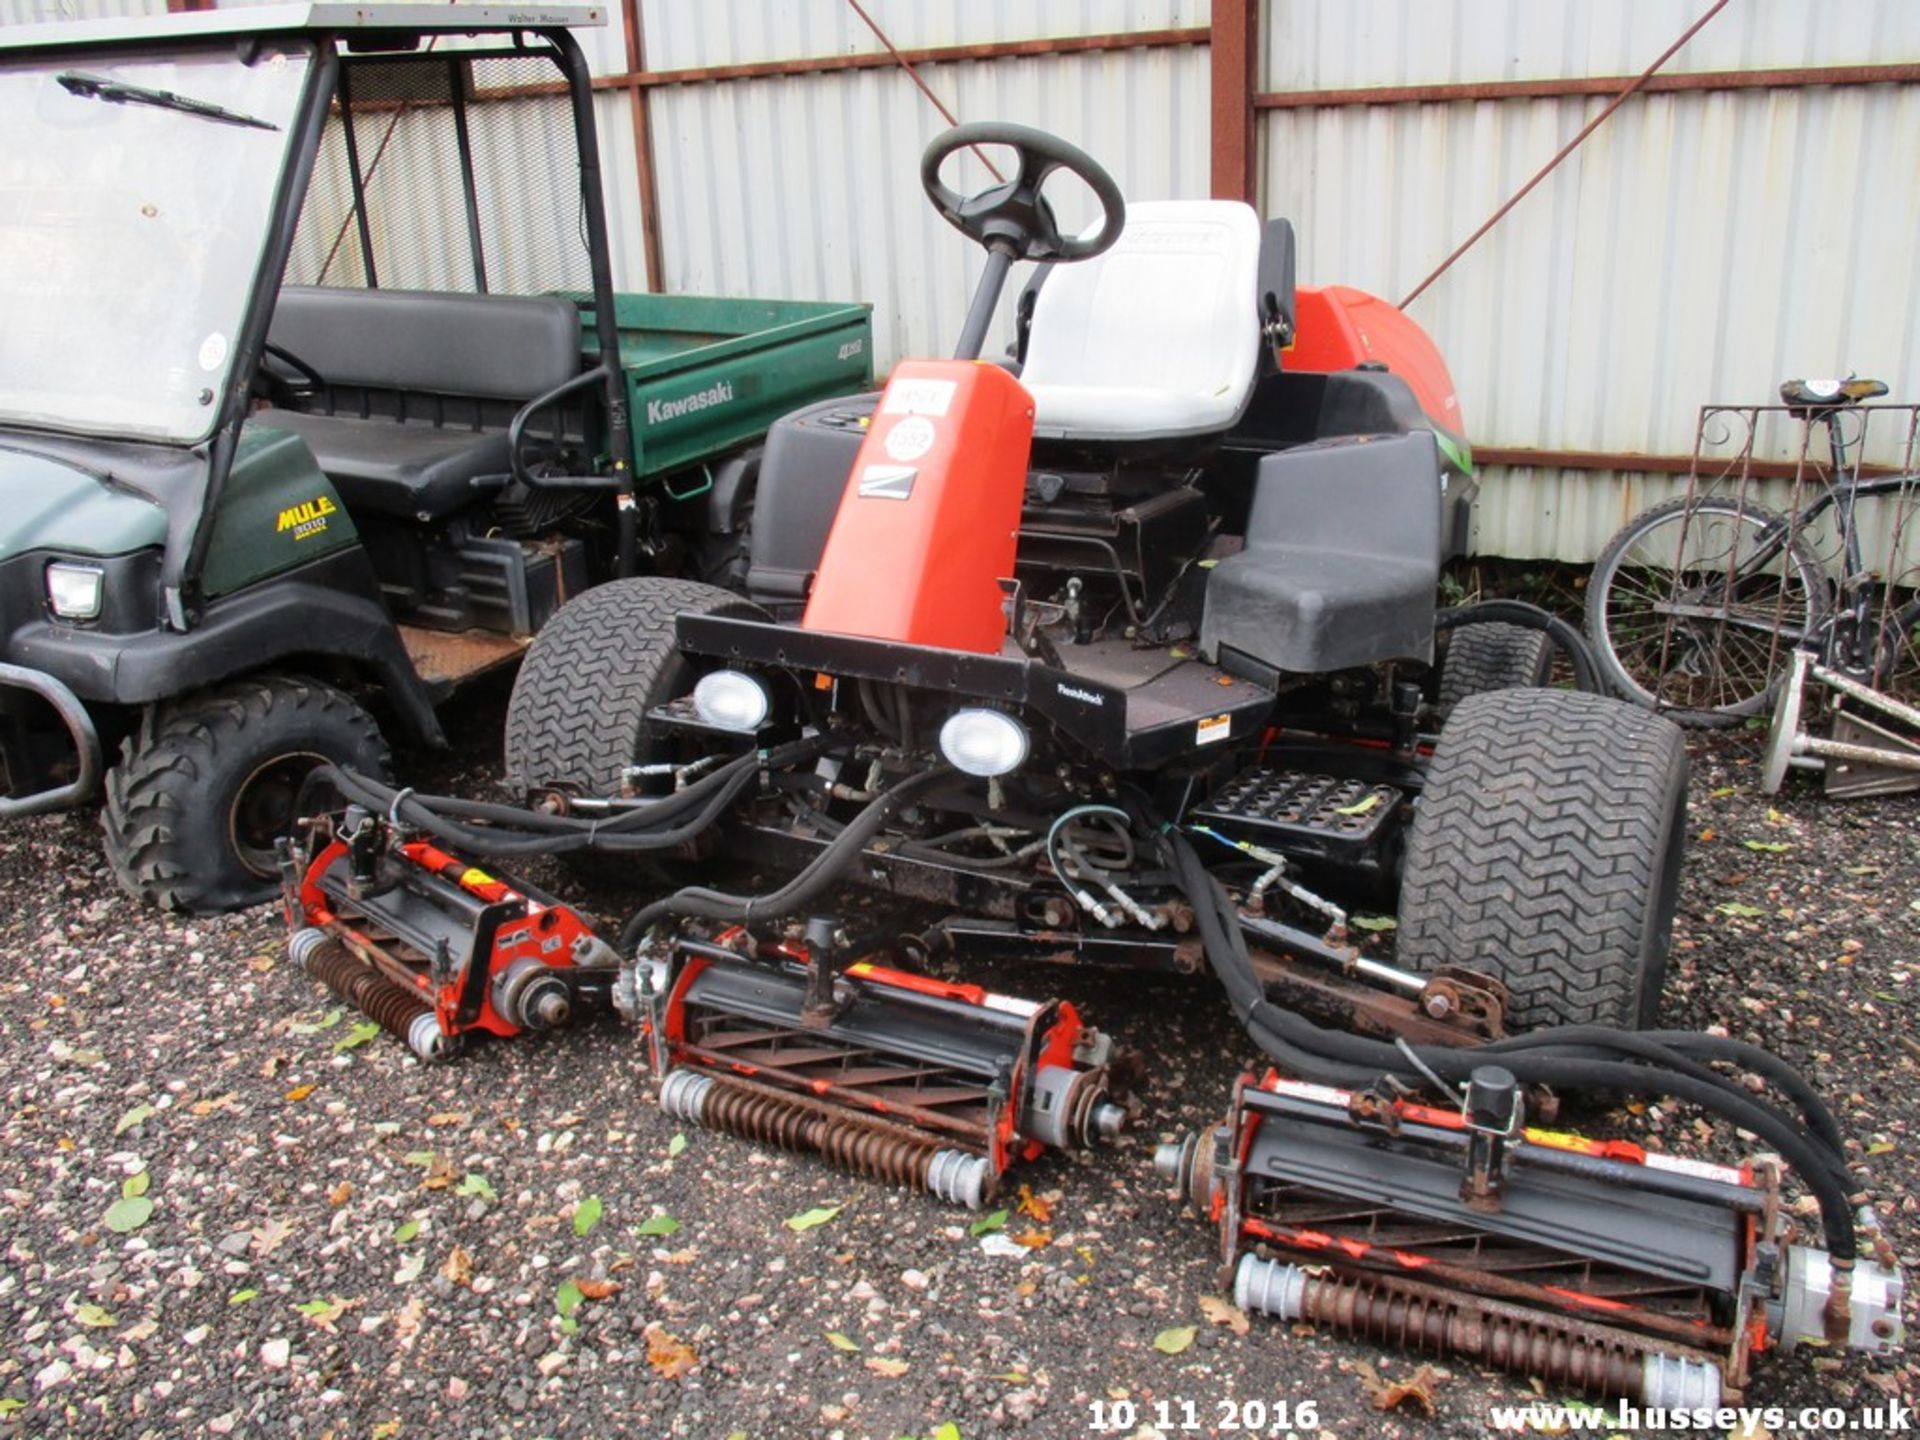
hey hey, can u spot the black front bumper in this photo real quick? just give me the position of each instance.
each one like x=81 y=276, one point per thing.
x=1193 y=706
x=50 y=780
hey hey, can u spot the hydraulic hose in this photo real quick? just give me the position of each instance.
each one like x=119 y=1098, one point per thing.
x=505 y=832
x=819 y=875
x=1545 y=1058
x=1586 y=675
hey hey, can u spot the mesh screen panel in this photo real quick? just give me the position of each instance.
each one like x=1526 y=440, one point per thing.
x=405 y=140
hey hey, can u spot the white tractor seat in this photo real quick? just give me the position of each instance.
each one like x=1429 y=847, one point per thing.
x=1157 y=337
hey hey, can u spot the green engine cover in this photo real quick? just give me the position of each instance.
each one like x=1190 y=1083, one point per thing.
x=278 y=511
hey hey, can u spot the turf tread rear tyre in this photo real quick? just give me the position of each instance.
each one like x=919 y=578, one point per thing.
x=168 y=801
x=579 y=705
x=1493 y=655
x=1546 y=851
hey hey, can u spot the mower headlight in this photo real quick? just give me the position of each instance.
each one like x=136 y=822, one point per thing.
x=983 y=742
x=729 y=700
x=73 y=591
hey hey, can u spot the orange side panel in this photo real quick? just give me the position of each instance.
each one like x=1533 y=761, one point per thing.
x=930 y=518
x=1338 y=327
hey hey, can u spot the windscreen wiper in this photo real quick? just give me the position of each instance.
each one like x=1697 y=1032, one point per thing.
x=99 y=87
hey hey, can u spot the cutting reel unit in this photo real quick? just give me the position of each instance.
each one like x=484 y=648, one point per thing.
x=431 y=947
x=893 y=1075
x=1464 y=1233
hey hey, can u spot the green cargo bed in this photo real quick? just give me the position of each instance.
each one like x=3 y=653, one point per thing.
x=706 y=374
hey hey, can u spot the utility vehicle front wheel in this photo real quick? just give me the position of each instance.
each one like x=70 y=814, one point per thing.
x=207 y=783
x=1546 y=852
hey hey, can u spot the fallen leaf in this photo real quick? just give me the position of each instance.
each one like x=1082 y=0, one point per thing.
x=138 y=1115
x=340 y=1194
x=449 y=1117
x=1723 y=792
x=241 y=1297
x=1880 y=1147
x=474 y=1183
x=410 y=1268
x=668 y=1355
x=948 y=1431
x=567 y=1298
x=1360 y=806
x=1767 y=847
x=1740 y=911
x=586 y=1215
x=841 y=1342
x=404 y=1232
x=1224 y=1312
x=135 y=1185
x=458 y=1266
x=1031 y=1204
x=421 y=1157
x=1034 y=1239
x=94 y=1317
x=881 y=1365
x=323 y=1312
x=676 y=1146
x=128 y=1213
x=260 y=964
x=300 y=1092
x=1172 y=1342
x=987 y=1224
x=809 y=1219
x=440 y=1174
x=356 y=1037
x=1374 y=923
x=386 y=1430
x=1416 y=1389
x=271 y=1236
x=597 y=1289
x=667 y=1225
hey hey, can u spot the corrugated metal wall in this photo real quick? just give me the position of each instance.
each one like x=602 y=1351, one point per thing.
x=1700 y=247
x=808 y=186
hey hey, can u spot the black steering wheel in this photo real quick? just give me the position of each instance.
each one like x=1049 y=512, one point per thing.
x=1013 y=217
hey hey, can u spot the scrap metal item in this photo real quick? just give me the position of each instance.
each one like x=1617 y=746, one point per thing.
x=893 y=1075
x=431 y=948
x=1863 y=756
x=1465 y=1233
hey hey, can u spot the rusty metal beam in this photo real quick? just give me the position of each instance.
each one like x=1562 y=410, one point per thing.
x=644 y=170
x=1574 y=86
x=936 y=55
x=1234 y=51
x=1522 y=457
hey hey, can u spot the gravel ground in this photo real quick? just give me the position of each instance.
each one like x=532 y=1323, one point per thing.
x=344 y=1243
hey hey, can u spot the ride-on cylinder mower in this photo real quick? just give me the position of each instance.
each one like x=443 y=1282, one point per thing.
x=1168 y=692
x=1464 y=1233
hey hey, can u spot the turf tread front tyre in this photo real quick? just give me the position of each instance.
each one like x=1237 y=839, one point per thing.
x=169 y=801
x=1493 y=655
x=1545 y=851
x=580 y=702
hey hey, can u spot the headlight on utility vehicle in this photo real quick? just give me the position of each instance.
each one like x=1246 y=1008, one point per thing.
x=73 y=591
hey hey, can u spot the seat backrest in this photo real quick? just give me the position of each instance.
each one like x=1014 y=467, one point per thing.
x=1173 y=306
x=492 y=347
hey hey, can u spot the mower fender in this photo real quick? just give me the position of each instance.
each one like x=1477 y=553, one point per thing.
x=325 y=609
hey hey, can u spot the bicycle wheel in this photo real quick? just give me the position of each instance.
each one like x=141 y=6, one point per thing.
x=1896 y=669
x=1695 y=605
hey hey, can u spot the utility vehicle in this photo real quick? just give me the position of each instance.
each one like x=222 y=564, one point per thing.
x=315 y=387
